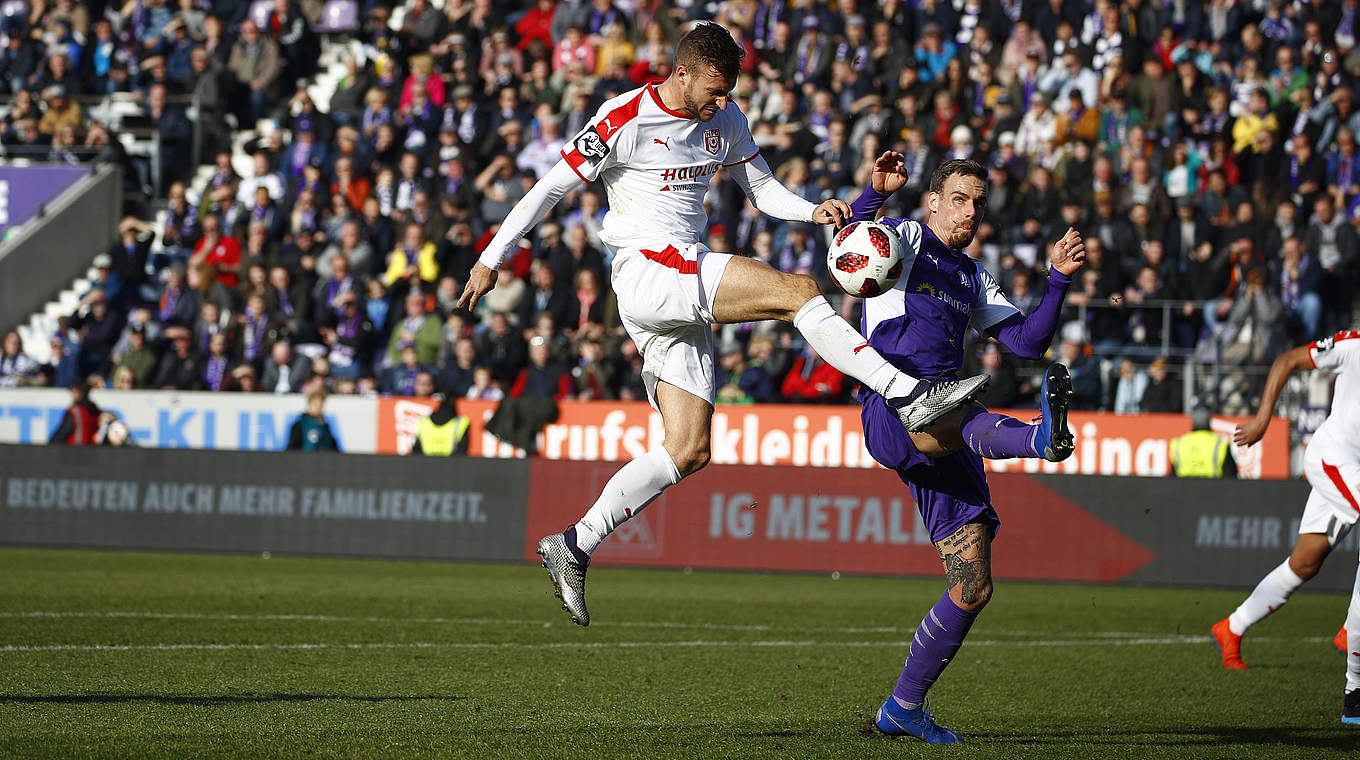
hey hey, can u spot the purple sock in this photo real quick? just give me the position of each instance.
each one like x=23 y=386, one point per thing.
x=936 y=642
x=996 y=436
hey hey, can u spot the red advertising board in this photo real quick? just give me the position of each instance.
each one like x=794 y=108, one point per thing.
x=825 y=436
x=823 y=520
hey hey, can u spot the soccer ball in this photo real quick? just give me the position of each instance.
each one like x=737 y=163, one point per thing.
x=865 y=259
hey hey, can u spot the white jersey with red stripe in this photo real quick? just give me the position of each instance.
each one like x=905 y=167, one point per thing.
x=656 y=164
x=1340 y=353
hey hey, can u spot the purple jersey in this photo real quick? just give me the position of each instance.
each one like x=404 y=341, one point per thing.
x=920 y=325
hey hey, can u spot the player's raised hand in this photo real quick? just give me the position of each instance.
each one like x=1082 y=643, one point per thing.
x=890 y=172
x=834 y=211
x=1069 y=253
x=480 y=282
x=1251 y=431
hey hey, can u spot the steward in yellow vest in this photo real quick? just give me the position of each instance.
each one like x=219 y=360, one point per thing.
x=442 y=433
x=1201 y=453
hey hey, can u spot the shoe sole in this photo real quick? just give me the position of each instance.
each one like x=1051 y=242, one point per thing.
x=1351 y=720
x=556 y=582
x=1058 y=395
x=974 y=393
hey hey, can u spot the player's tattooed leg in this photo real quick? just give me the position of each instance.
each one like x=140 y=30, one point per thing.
x=966 y=556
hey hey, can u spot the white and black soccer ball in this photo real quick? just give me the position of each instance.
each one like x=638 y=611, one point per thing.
x=865 y=259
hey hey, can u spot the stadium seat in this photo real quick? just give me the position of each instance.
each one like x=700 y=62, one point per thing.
x=339 y=16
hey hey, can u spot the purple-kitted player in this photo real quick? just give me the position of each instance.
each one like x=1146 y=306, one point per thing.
x=919 y=326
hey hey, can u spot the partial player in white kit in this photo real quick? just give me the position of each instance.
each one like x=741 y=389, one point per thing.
x=1332 y=465
x=655 y=149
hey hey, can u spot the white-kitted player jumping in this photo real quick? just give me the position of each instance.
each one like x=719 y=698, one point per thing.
x=655 y=149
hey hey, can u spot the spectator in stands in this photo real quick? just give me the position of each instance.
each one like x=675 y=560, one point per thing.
x=1129 y=386
x=98 y=326
x=456 y=376
x=284 y=372
x=400 y=380
x=298 y=45
x=1161 y=394
x=812 y=381
x=61 y=110
x=16 y=368
x=1004 y=389
x=1086 y=382
x=139 y=360
x=256 y=63
x=256 y=330
x=413 y=259
x=180 y=367
x=1337 y=248
x=543 y=376
x=419 y=329
x=547 y=296
x=311 y=431
x=740 y=382
x=1295 y=278
x=217 y=364
x=218 y=254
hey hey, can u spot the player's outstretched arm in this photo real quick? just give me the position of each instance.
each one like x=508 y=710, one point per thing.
x=1289 y=362
x=775 y=200
x=1029 y=336
x=535 y=204
x=889 y=176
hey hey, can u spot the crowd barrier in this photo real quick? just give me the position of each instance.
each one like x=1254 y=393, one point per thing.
x=1075 y=528
x=599 y=431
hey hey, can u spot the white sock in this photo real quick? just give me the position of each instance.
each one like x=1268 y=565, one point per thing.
x=1270 y=595
x=632 y=488
x=845 y=348
x=1353 y=638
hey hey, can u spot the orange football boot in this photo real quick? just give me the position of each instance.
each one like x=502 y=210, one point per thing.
x=1340 y=641
x=1229 y=644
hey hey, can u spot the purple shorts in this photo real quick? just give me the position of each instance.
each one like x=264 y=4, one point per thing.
x=949 y=491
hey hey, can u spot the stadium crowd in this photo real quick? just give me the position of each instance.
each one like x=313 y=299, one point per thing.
x=1207 y=151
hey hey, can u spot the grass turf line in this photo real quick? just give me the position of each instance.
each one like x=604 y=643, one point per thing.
x=1039 y=681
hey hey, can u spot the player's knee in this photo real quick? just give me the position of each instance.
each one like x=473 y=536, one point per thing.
x=1305 y=568
x=972 y=595
x=799 y=289
x=691 y=459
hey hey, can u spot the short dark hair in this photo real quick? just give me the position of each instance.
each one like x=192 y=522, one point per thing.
x=709 y=45
x=965 y=166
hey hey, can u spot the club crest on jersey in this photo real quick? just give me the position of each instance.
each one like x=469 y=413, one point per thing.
x=590 y=145
x=712 y=141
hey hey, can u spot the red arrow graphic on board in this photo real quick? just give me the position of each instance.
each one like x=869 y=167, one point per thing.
x=1046 y=536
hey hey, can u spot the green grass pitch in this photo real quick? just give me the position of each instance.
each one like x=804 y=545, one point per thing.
x=126 y=655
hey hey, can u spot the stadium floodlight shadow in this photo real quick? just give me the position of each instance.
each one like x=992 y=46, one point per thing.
x=1320 y=737
x=211 y=700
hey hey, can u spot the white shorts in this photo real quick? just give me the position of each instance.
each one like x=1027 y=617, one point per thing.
x=665 y=300
x=1334 y=475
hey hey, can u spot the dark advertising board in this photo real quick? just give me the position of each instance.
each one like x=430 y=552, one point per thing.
x=288 y=502
x=1055 y=528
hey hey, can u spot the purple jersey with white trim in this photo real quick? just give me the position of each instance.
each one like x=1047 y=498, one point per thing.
x=920 y=325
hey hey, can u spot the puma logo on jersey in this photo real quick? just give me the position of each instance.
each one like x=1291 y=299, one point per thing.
x=932 y=258
x=666 y=142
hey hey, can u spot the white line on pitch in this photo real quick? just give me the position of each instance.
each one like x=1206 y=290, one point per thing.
x=1151 y=641
x=134 y=614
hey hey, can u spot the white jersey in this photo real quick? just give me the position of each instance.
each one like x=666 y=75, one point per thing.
x=656 y=165
x=1341 y=354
